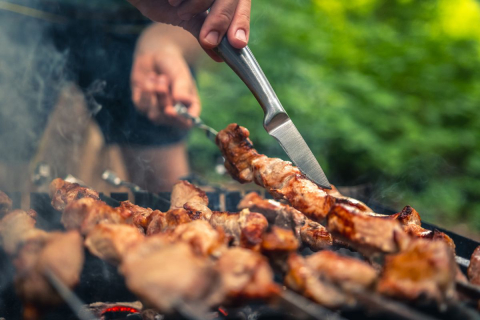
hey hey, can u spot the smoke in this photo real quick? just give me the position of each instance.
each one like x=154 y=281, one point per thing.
x=32 y=72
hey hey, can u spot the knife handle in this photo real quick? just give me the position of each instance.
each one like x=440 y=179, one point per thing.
x=244 y=64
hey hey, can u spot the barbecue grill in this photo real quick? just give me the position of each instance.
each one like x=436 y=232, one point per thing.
x=100 y=281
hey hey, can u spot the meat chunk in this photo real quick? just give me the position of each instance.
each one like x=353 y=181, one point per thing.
x=84 y=214
x=59 y=253
x=166 y=275
x=246 y=274
x=474 y=267
x=110 y=242
x=134 y=214
x=315 y=236
x=16 y=228
x=202 y=237
x=305 y=280
x=367 y=234
x=279 y=240
x=246 y=228
x=346 y=272
x=422 y=269
x=62 y=193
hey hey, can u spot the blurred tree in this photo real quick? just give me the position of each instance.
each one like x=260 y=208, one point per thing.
x=385 y=92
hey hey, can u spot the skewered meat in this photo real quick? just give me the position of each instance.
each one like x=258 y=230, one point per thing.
x=110 y=242
x=246 y=274
x=408 y=216
x=368 y=234
x=422 y=269
x=169 y=274
x=276 y=213
x=279 y=240
x=305 y=280
x=247 y=228
x=16 y=228
x=311 y=233
x=157 y=222
x=137 y=215
x=346 y=272
x=5 y=204
x=280 y=178
x=187 y=196
x=59 y=253
x=63 y=192
x=315 y=236
x=84 y=214
x=202 y=237
x=473 y=271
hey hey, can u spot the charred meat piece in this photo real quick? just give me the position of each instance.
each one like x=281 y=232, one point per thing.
x=16 y=228
x=306 y=281
x=280 y=178
x=474 y=267
x=187 y=196
x=346 y=272
x=84 y=214
x=134 y=214
x=5 y=204
x=315 y=236
x=279 y=240
x=110 y=242
x=166 y=275
x=62 y=193
x=157 y=222
x=367 y=234
x=277 y=213
x=423 y=269
x=202 y=237
x=60 y=253
x=419 y=232
x=246 y=228
x=408 y=216
x=246 y=274
x=310 y=233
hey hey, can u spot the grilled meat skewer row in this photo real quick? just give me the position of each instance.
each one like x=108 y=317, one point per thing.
x=34 y=253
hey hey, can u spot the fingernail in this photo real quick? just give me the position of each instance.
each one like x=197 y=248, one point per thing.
x=212 y=38
x=241 y=35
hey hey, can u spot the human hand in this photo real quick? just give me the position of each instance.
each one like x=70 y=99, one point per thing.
x=231 y=17
x=159 y=80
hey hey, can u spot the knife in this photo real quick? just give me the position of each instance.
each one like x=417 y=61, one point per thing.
x=276 y=121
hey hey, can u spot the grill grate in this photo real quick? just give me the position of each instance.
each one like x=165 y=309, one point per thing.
x=101 y=281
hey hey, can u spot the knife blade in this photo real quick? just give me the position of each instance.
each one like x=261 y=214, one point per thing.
x=276 y=121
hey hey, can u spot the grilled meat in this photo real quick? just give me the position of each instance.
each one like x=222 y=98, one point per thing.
x=474 y=267
x=246 y=274
x=309 y=232
x=187 y=196
x=276 y=213
x=59 y=253
x=84 y=214
x=348 y=273
x=423 y=268
x=134 y=214
x=5 y=204
x=305 y=280
x=278 y=240
x=246 y=228
x=202 y=237
x=170 y=274
x=368 y=234
x=16 y=228
x=110 y=242
x=62 y=193
x=408 y=216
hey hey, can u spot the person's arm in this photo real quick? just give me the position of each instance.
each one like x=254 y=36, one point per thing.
x=230 y=17
x=161 y=75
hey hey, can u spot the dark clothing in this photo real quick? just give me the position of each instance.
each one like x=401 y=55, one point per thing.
x=91 y=47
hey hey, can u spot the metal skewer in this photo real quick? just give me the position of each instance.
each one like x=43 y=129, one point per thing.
x=112 y=178
x=197 y=122
x=70 y=298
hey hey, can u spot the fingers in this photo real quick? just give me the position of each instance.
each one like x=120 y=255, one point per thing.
x=190 y=8
x=239 y=30
x=217 y=23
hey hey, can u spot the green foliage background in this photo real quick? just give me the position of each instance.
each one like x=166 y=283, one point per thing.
x=385 y=92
